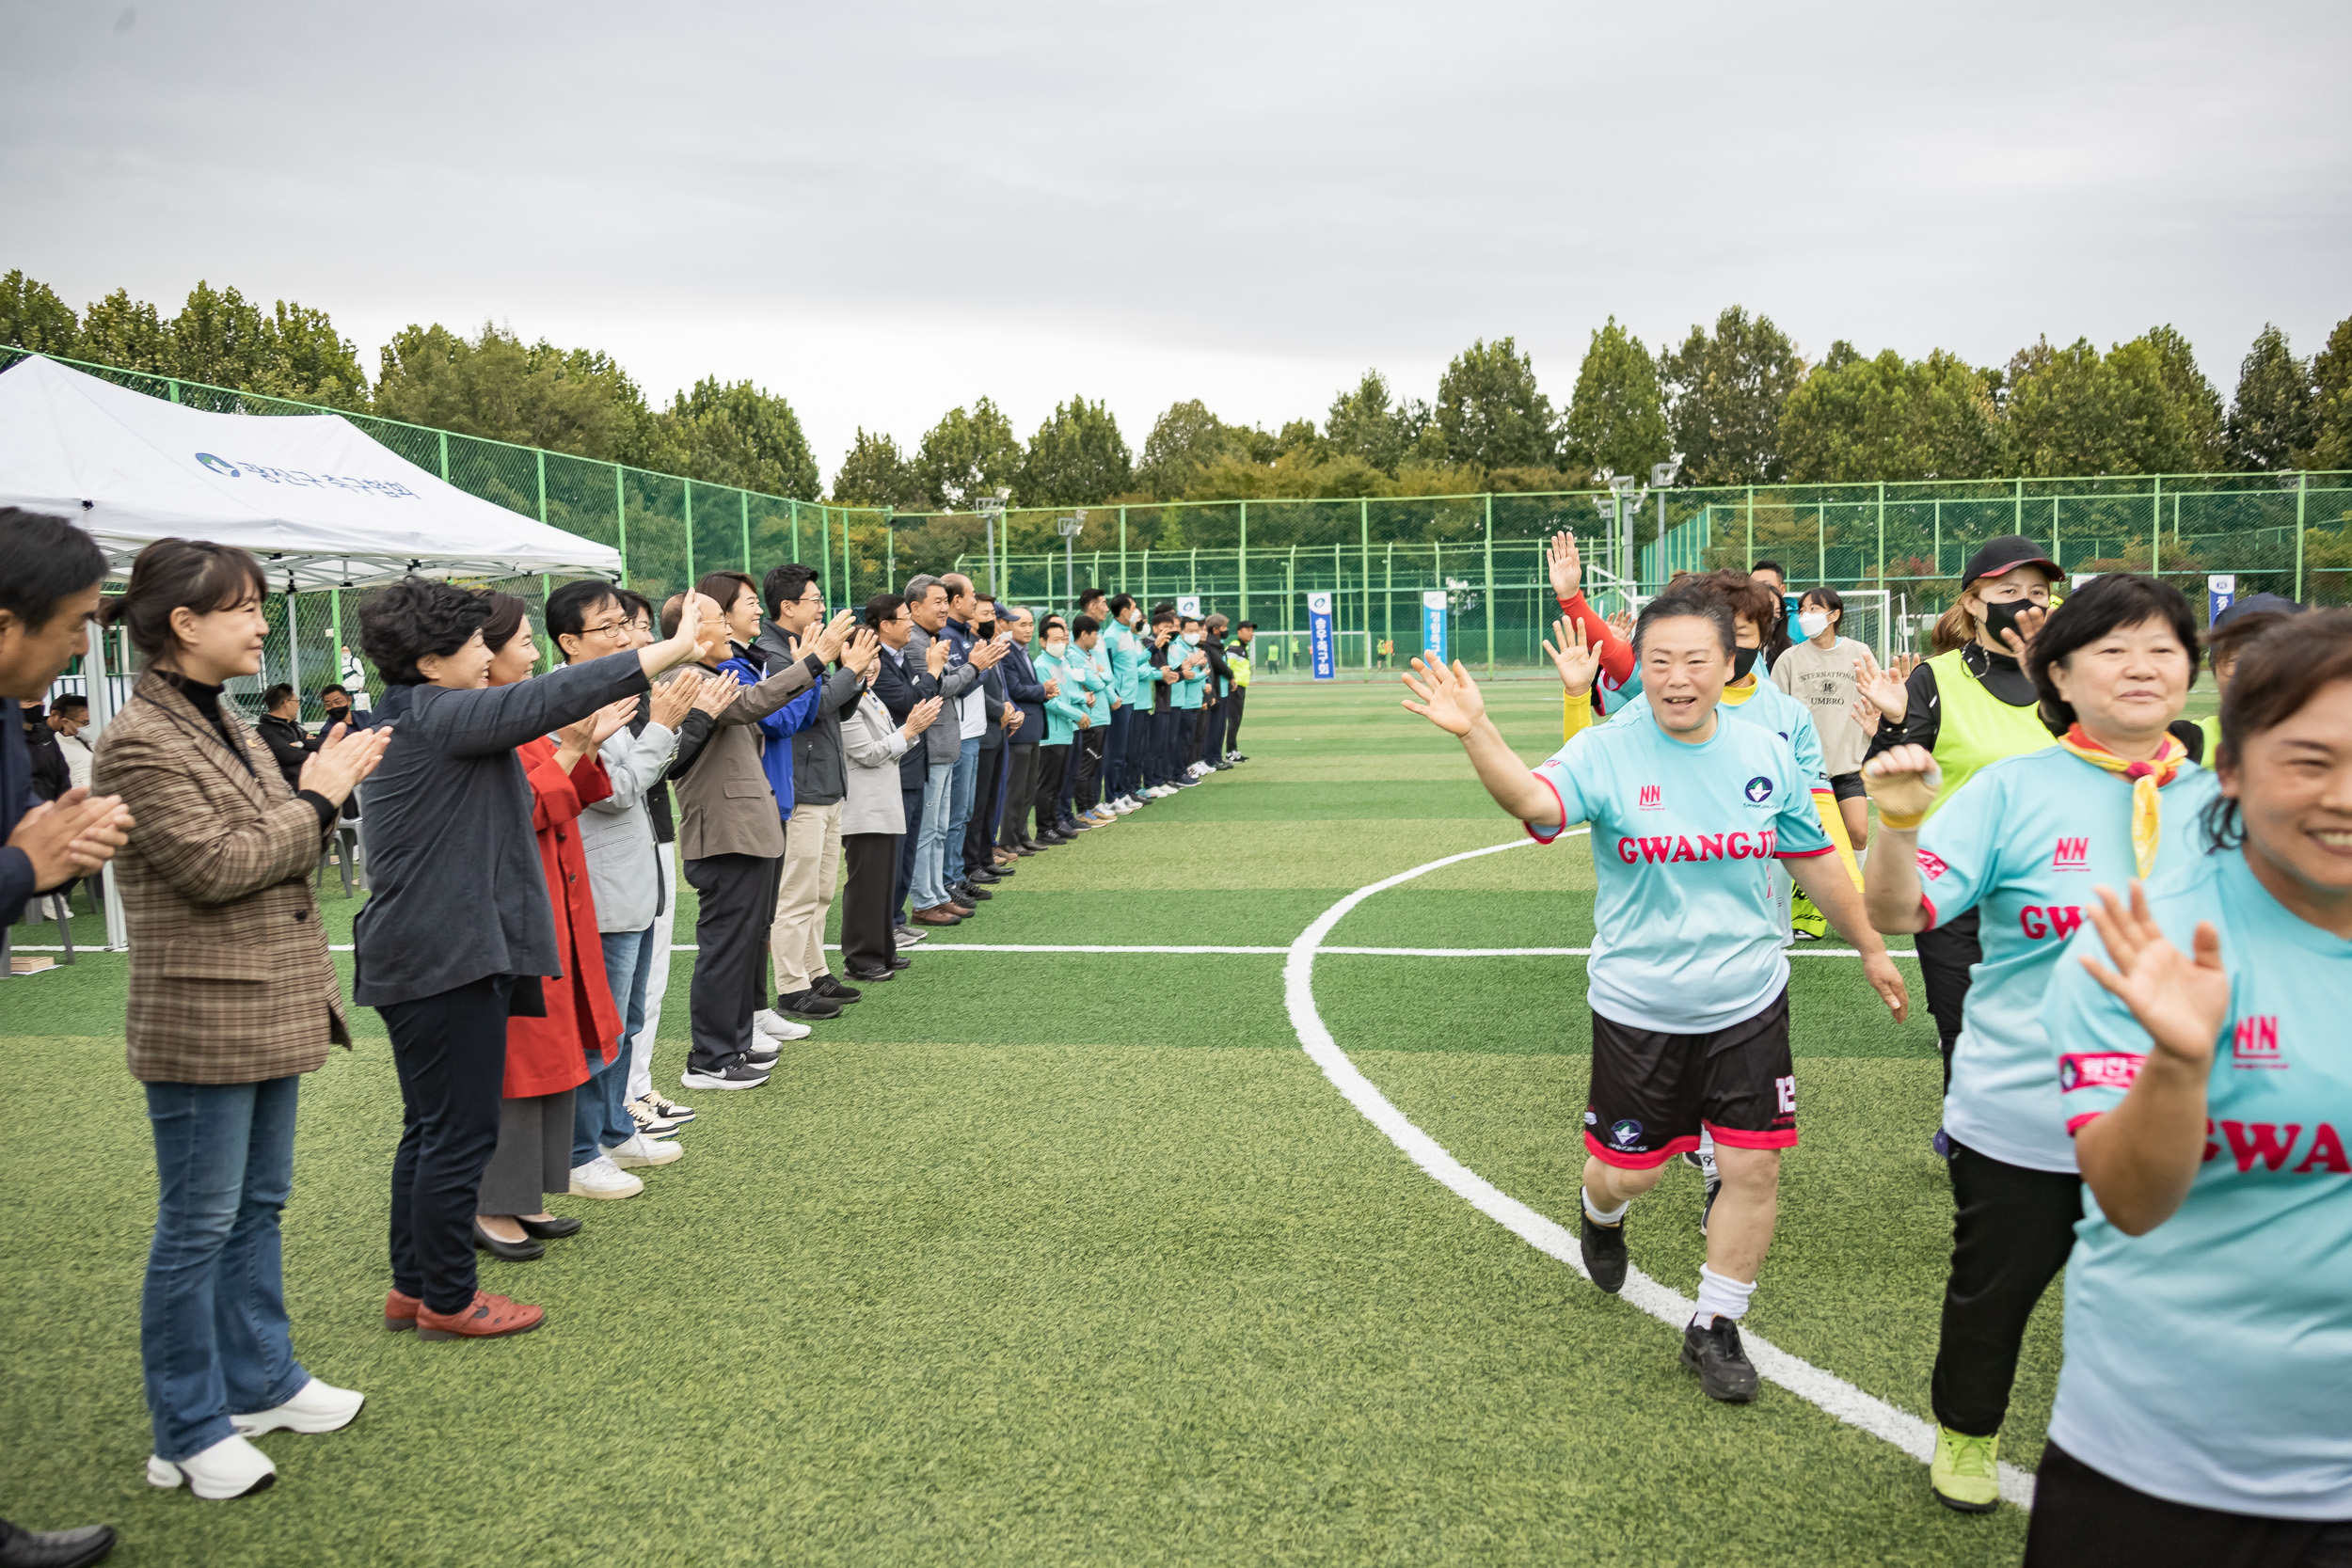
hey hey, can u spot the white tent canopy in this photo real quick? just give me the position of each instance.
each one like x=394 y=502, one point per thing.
x=316 y=500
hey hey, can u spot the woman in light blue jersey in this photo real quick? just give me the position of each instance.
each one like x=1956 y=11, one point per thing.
x=1689 y=988
x=2202 y=1411
x=2022 y=843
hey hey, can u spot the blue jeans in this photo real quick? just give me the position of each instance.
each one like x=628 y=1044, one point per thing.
x=965 y=785
x=213 y=1335
x=600 y=1118
x=929 y=887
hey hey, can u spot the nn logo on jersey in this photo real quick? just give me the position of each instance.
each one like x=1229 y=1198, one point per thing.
x=1651 y=798
x=2254 y=1043
x=2072 y=854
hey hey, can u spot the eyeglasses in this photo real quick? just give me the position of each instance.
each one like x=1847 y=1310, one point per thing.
x=608 y=630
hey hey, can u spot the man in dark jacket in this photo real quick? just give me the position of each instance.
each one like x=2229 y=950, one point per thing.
x=52 y=776
x=1026 y=695
x=899 y=683
x=977 y=854
x=280 y=728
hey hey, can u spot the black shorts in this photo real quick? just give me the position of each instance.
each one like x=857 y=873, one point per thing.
x=1653 y=1092
x=2083 y=1518
x=1847 y=786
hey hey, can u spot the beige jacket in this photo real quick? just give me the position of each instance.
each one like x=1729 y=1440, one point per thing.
x=725 y=804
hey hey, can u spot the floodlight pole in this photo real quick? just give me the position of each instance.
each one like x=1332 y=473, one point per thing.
x=1069 y=527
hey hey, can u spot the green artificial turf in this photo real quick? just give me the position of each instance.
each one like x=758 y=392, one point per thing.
x=1064 y=1258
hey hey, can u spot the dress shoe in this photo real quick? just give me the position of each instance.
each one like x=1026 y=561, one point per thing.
x=966 y=894
x=553 y=1228
x=485 y=1317
x=833 y=990
x=400 y=1310
x=232 y=1467
x=982 y=876
x=514 y=1252
x=940 y=914
x=872 y=977
x=53 y=1548
x=316 y=1407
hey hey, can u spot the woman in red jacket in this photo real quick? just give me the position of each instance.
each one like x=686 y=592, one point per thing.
x=549 y=1057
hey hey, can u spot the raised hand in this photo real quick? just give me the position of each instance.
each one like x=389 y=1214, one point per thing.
x=1567 y=566
x=343 y=758
x=674 y=700
x=2018 y=640
x=1578 y=664
x=2181 y=1000
x=1621 y=623
x=1902 y=780
x=864 y=647
x=920 y=717
x=1447 y=698
x=935 y=656
x=719 y=690
x=836 y=633
x=985 y=655
x=1881 y=688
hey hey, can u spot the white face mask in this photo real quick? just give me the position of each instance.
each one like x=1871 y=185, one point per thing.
x=1812 y=622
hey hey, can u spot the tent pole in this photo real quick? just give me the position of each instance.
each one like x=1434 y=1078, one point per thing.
x=101 y=693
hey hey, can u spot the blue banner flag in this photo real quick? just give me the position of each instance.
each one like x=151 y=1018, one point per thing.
x=1433 y=623
x=1319 y=637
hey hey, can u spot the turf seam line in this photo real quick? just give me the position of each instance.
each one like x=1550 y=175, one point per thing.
x=1825 y=1390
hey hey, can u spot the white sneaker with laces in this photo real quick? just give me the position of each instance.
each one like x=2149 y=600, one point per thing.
x=649 y=1121
x=601 y=1177
x=638 y=1149
x=232 y=1467
x=315 y=1407
x=776 y=1027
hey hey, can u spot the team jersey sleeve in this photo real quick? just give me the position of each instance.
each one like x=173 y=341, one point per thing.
x=1960 y=850
x=1805 y=741
x=1616 y=654
x=1568 y=773
x=1797 y=826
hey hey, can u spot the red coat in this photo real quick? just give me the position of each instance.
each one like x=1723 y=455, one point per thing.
x=546 y=1055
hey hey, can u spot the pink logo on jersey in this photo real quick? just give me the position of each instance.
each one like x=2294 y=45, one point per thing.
x=2254 y=1043
x=1931 y=867
x=2072 y=854
x=1651 y=800
x=2098 y=1070
x=1762 y=844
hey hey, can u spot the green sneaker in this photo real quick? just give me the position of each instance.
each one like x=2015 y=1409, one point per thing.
x=1966 y=1472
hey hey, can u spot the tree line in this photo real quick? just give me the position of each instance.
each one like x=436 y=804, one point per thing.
x=1740 y=402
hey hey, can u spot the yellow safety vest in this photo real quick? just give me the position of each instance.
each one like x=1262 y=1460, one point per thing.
x=1977 y=728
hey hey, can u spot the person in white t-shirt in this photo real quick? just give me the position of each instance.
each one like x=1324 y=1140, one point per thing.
x=1818 y=672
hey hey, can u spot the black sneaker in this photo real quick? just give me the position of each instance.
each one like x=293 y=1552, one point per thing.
x=1723 y=1368
x=833 y=990
x=762 y=1059
x=899 y=963
x=968 y=895
x=735 y=1073
x=1603 y=1246
x=808 y=1007
x=870 y=978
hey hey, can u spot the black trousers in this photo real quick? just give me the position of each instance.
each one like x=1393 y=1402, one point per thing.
x=1196 y=733
x=2012 y=1231
x=1139 y=773
x=1231 y=705
x=1946 y=954
x=1087 y=755
x=911 y=806
x=739 y=904
x=870 y=865
x=1052 y=763
x=450 y=1052
x=980 y=836
x=1020 y=791
x=2084 y=1519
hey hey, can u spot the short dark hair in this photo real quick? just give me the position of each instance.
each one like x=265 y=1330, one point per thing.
x=175 y=574
x=1828 y=598
x=723 y=588
x=1683 y=602
x=333 y=686
x=1084 y=624
x=273 y=695
x=1122 y=603
x=636 y=604
x=69 y=702
x=1246 y=626
x=2293 y=659
x=1163 y=611
x=784 y=584
x=569 y=606
x=1772 y=566
x=2223 y=642
x=44 y=558
x=416 y=618
x=2103 y=604
x=1088 y=594
x=883 y=609
x=1741 y=593
x=505 y=621
x=1188 y=620
x=1052 y=618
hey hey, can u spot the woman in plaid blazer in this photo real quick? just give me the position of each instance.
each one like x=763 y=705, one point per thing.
x=233 y=997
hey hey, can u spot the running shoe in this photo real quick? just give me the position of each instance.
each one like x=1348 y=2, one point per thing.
x=1603 y=1249
x=668 y=1110
x=649 y=1121
x=1966 y=1472
x=1723 y=1368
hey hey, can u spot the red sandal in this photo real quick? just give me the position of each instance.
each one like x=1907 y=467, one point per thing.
x=487 y=1317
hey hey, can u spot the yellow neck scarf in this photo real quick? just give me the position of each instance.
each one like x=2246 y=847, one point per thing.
x=2147 y=778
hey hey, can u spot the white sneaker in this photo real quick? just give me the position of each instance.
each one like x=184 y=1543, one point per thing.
x=601 y=1177
x=315 y=1407
x=776 y=1027
x=638 y=1149
x=232 y=1467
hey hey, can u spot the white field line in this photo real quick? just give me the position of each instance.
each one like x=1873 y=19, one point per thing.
x=1830 y=1392
x=1266 y=952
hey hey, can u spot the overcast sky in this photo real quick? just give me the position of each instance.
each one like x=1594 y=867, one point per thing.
x=884 y=209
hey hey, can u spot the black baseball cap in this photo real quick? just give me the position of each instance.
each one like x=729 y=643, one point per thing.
x=2006 y=554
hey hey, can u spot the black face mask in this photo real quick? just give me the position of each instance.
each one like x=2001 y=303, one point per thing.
x=1743 y=661
x=2002 y=617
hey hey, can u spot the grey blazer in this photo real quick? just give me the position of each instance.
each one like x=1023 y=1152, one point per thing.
x=624 y=866
x=871 y=745
x=725 y=804
x=942 y=741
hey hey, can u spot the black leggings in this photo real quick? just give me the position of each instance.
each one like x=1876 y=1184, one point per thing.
x=2011 y=1230
x=1946 y=954
x=2084 y=1519
x=450 y=1049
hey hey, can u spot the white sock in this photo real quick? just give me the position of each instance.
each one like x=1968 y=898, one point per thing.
x=1604 y=1216
x=1721 y=1296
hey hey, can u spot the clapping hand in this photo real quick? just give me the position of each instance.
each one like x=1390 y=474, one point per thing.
x=935 y=656
x=719 y=690
x=1877 y=692
x=76 y=832
x=1577 y=663
x=831 y=640
x=2181 y=1000
x=343 y=758
x=920 y=717
x=863 y=648
x=1448 y=698
x=675 y=700
x=985 y=655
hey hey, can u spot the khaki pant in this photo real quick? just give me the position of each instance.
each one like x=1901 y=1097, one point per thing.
x=812 y=869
